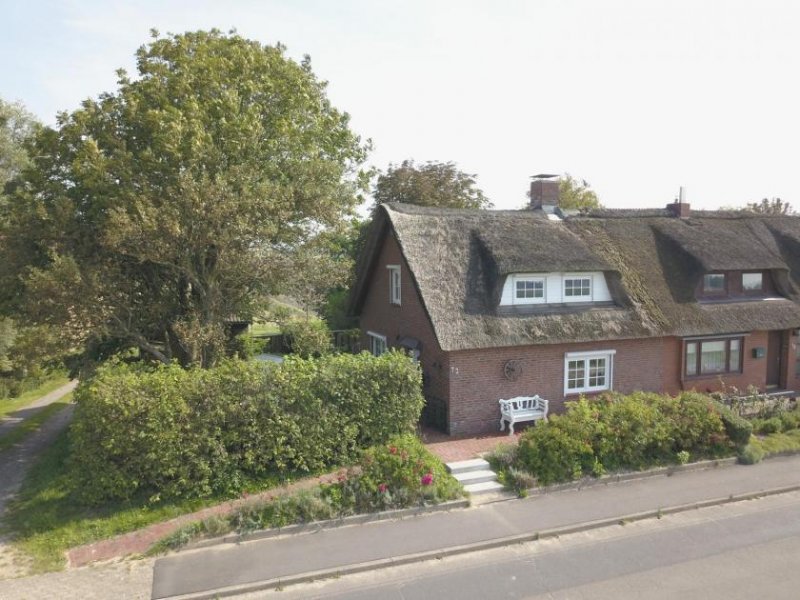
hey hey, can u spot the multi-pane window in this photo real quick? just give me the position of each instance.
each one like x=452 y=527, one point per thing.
x=529 y=290
x=588 y=371
x=577 y=287
x=394 y=284
x=377 y=343
x=752 y=282
x=714 y=283
x=711 y=357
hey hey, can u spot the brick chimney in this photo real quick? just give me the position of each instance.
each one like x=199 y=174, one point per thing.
x=544 y=192
x=680 y=208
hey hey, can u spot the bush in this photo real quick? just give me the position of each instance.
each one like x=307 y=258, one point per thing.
x=398 y=474
x=737 y=428
x=308 y=338
x=767 y=426
x=751 y=454
x=790 y=420
x=175 y=433
x=622 y=432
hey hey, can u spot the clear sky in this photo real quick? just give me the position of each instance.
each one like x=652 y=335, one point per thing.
x=638 y=97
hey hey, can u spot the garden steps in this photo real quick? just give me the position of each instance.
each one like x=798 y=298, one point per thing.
x=475 y=475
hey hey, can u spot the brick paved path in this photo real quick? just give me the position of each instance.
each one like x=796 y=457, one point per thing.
x=451 y=449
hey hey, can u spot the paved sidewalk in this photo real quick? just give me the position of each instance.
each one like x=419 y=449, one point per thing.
x=252 y=563
x=10 y=421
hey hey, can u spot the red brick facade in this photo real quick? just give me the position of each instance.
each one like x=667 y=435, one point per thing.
x=462 y=387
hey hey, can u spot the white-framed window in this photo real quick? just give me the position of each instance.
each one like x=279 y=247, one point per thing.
x=577 y=287
x=529 y=290
x=377 y=343
x=394 y=284
x=588 y=371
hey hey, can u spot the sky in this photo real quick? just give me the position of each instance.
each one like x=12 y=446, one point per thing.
x=637 y=97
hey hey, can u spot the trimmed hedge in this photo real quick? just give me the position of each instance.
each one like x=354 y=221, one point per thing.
x=737 y=428
x=623 y=432
x=175 y=433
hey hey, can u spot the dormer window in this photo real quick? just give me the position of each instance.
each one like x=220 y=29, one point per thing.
x=752 y=282
x=577 y=287
x=394 y=284
x=529 y=290
x=714 y=283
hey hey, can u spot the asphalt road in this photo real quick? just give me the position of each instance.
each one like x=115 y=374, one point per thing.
x=743 y=550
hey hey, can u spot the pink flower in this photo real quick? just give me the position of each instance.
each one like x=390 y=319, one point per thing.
x=382 y=488
x=427 y=479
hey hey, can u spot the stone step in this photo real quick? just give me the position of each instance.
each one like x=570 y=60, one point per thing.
x=484 y=487
x=465 y=466
x=475 y=476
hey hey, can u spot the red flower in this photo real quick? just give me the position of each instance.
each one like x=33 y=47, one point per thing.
x=392 y=449
x=427 y=479
x=382 y=488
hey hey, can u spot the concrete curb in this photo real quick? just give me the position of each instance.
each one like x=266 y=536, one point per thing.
x=315 y=526
x=475 y=547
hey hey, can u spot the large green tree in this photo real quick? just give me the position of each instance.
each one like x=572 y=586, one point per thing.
x=429 y=184
x=155 y=213
x=17 y=126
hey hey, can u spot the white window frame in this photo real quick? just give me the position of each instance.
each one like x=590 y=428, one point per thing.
x=394 y=284
x=572 y=277
x=538 y=279
x=376 y=338
x=569 y=357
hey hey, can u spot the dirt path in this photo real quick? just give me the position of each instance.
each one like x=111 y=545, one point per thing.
x=14 y=464
x=10 y=421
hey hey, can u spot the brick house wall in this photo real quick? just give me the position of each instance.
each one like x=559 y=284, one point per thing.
x=477 y=380
x=406 y=319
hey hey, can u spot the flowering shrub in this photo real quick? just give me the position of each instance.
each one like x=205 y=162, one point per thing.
x=623 y=432
x=398 y=474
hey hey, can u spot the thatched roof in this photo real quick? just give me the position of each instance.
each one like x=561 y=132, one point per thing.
x=653 y=263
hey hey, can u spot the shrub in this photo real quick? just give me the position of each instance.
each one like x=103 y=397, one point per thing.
x=767 y=426
x=616 y=432
x=308 y=338
x=682 y=457
x=751 y=454
x=170 y=432
x=790 y=420
x=737 y=428
x=398 y=474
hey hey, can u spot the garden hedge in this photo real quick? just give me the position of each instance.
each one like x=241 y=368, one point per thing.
x=170 y=432
x=626 y=432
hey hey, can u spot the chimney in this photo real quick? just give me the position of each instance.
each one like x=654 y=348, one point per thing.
x=680 y=208
x=544 y=192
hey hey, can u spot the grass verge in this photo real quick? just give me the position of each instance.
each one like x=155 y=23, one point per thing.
x=44 y=521
x=10 y=405
x=774 y=443
x=28 y=426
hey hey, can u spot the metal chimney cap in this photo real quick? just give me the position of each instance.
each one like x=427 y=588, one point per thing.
x=544 y=176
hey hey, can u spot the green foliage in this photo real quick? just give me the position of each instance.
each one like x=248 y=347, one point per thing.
x=682 y=457
x=790 y=419
x=576 y=195
x=767 y=426
x=308 y=338
x=186 y=197
x=430 y=184
x=621 y=432
x=175 y=433
x=767 y=206
x=399 y=474
x=17 y=126
x=751 y=454
x=737 y=428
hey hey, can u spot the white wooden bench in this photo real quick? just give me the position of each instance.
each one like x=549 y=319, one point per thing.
x=522 y=408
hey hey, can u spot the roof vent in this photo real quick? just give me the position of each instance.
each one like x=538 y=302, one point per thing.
x=544 y=192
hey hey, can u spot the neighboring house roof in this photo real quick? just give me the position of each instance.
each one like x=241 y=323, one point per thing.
x=652 y=260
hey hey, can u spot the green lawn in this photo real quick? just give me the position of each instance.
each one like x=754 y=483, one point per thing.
x=24 y=429
x=775 y=443
x=10 y=405
x=264 y=329
x=44 y=520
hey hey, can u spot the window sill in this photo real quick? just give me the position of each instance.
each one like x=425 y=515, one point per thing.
x=586 y=392
x=710 y=375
